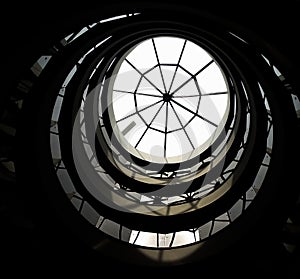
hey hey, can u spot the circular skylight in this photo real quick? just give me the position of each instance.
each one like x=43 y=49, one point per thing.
x=169 y=100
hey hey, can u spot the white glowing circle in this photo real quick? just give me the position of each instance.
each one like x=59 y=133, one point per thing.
x=168 y=92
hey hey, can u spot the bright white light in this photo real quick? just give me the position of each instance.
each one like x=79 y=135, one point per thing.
x=148 y=239
x=163 y=99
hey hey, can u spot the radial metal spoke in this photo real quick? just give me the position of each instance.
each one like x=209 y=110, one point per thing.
x=196 y=114
x=159 y=65
x=215 y=93
x=183 y=128
x=136 y=112
x=176 y=69
x=192 y=77
x=143 y=75
x=148 y=126
x=166 y=130
x=137 y=93
x=186 y=96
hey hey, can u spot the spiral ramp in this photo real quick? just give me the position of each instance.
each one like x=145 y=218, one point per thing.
x=158 y=138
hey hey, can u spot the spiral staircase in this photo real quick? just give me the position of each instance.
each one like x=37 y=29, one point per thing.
x=151 y=137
